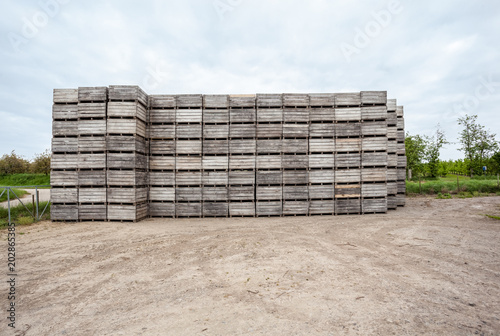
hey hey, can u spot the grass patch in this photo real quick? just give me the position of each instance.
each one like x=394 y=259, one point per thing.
x=443 y=196
x=21 y=216
x=19 y=192
x=493 y=217
x=445 y=185
x=24 y=180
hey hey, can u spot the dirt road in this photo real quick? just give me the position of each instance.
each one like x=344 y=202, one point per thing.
x=431 y=268
x=43 y=196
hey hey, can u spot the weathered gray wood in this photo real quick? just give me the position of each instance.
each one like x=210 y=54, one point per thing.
x=401 y=124
x=347 y=175
x=92 y=195
x=64 y=128
x=321 y=160
x=401 y=161
x=127 y=178
x=136 y=144
x=193 y=209
x=216 y=116
x=400 y=111
x=268 y=192
x=322 y=145
x=64 y=144
x=162 y=101
x=373 y=97
x=322 y=130
x=321 y=176
x=295 y=145
x=92 y=93
x=295 y=99
x=64 y=195
x=188 y=162
x=242 y=115
x=161 y=178
x=374 y=190
x=374 y=128
x=64 y=111
x=378 y=205
x=126 y=126
x=392 y=174
x=269 y=100
x=347 y=206
x=218 y=209
x=216 y=101
x=295 y=193
x=347 y=190
x=391 y=105
x=348 y=129
x=92 y=110
x=295 y=208
x=127 y=109
x=347 y=99
x=401 y=148
x=218 y=146
x=242 y=177
x=269 y=130
x=392 y=146
x=270 y=115
x=215 y=194
x=63 y=96
x=188 y=146
x=392 y=188
x=189 y=100
x=216 y=131
x=188 y=194
x=127 y=160
x=92 y=212
x=162 y=116
x=63 y=212
x=162 y=162
x=242 y=100
x=127 y=212
x=269 y=177
x=348 y=145
x=188 y=116
x=326 y=191
x=92 y=144
x=215 y=178
x=64 y=161
x=269 y=208
x=318 y=207
x=242 y=209
x=374 y=159
x=401 y=174
x=92 y=160
x=160 y=209
x=188 y=178
x=374 y=144
x=242 y=162
x=392 y=132
x=241 y=193
x=239 y=146
x=296 y=130
x=162 y=147
x=128 y=92
x=374 y=174
x=268 y=161
x=92 y=127
x=348 y=114
x=92 y=177
x=242 y=131
x=295 y=177
x=162 y=194
x=322 y=99
x=295 y=161
x=347 y=160
x=162 y=131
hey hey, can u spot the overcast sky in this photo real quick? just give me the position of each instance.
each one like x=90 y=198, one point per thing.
x=440 y=59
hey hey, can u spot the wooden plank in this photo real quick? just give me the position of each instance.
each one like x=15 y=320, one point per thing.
x=161 y=178
x=127 y=160
x=348 y=145
x=193 y=209
x=295 y=145
x=162 y=131
x=64 y=195
x=268 y=192
x=92 y=177
x=348 y=175
x=162 y=162
x=186 y=131
x=242 y=115
x=321 y=160
x=188 y=116
x=215 y=178
x=269 y=177
x=347 y=129
x=269 y=130
x=134 y=143
x=242 y=162
x=322 y=99
x=378 y=205
x=92 y=93
x=65 y=145
x=400 y=111
x=212 y=209
x=347 y=99
x=322 y=130
x=321 y=145
x=239 y=146
x=92 y=212
x=295 y=177
x=92 y=195
x=63 y=212
x=126 y=126
x=127 y=178
x=374 y=97
x=374 y=174
x=92 y=110
x=321 y=191
x=188 y=178
x=295 y=208
x=295 y=192
x=128 y=195
x=348 y=114
x=127 y=109
x=219 y=146
x=374 y=190
x=270 y=115
x=64 y=111
x=64 y=127
x=162 y=194
x=216 y=131
x=241 y=193
x=298 y=114
x=347 y=206
x=269 y=208
x=215 y=193
x=401 y=173
x=318 y=207
x=374 y=144
x=296 y=130
x=374 y=159
x=92 y=144
x=188 y=146
x=63 y=96
x=242 y=209
x=92 y=161
x=347 y=190
x=64 y=161
x=392 y=174
x=392 y=132
x=128 y=92
x=216 y=116
x=162 y=101
x=269 y=100
x=374 y=128
x=242 y=100
x=295 y=99
x=188 y=194
x=242 y=131
x=189 y=100
x=373 y=112
x=295 y=161
x=401 y=161
x=127 y=212
x=392 y=188
x=157 y=209
x=391 y=105
x=321 y=176
x=188 y=162
x=268 y=161
x=162 y=147
x=216 y=101
x=92 y=126
x=242 y=177
x=162 y=116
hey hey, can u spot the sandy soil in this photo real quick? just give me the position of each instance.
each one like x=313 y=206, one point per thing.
x=431 y=268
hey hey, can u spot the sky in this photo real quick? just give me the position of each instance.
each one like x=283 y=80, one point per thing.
x=440 y=59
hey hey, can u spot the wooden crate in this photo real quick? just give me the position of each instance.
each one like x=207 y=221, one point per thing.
x=92 y=110
x=269 y=145
x=298 y=114
x=242 y=101
x=242 y=177
x=374 y=112
x=189 y=100
x=161 y=178
x=188 y=131
x=216 y=101
x=64 y=161
x=220 y=116
x=295 y=145
x=373 y=97
x=401 y=187
x=322 y=130
x=268 y=162
x=130 y=177
x=347 y=175
x=162 y=147
x=92 y=144
x=64 y=195
x=162 y=209
x=392 y=133
x=291 y=208
x=348 y=114
x=321 y=176
x=188 y=194
x=374 y=128
x=392 y=188
x=242 y=131
x=215 y=162
x=400 y=200
x=191 y=209
x=269 y=208
x=269 y=130
x=401 y=148
x=188 y=116
x=347 y=190
x=348 y=145
x=126 y=126
x=215 y=178
x=402 y=161
x=321 y=207
x=400 y=112
x=322 y=100
x=295 y=192
x=162 y=101
x=188 y=146
x=296 y=130
x=295 y=161
x=348 y=129
x=64 y=96
x=162 y=116
x=392 y=174
x=64 y=111
x=347 y=206
x=92 y=126
x=374 y=143
x=392 y=146
x=274 y=115
x=120 y=212
x=86 y=94
x=392 y=120
x=374 y=174
x=268 y=192
x=215 y=209
x=65 y=145
x=127 y=160
x=215 y=194
x=216 y=131
x=194 y=178
x=295 y=99
x=264 y=177
x=374 y=205
x=92 y=212
x=321 y=145
x=64 y=127
x=127 y=92
x=92 y=177
x=343 y=160
x=243 y=115
x=347 y=99
x=127 y=109
x=128 y=195
x=241 y=193
x=391 y=105
x=64 y=212
x=392 y=202
x=163 y=162
x=238 y=209
x=240 y=146
x=374 y=159
x=321 y=191
x=269 y=100
x=92 y=161
x=188 y=163
x=218 y=146
x=374 y=190
x=295 y=177
x=92 y=195
x=162 y=131
x=322 y=114
x=321 y=160
x=401 y=173
x=238 y=162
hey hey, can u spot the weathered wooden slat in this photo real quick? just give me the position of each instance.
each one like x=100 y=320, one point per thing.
x=92 y=160
x=215 y=178
x=127 y=109
x=163 y=162
x=137 y=144
x=64 y=128
x=374 y=190
x=63 y=195
x=348 y=114
x=392 y=188
x=92 y=178
x=188 y=162
x=215 y=209
x=162 y=194
x=295 y=193
x=321 y=191
x=295 y=145
x=245 y=115
x=64 y=161
x=242 y=131
x=188 y=178
x=392 y=132
x=295 y=177
x=295 y=161
x=188 y=116
x=189 y=100
x=347 y=129
x=269 y=99
x=374 y=128
x=269 y=177
x=347 y=99
x=127 y=160
x=92 y=144
x=321 y=145
x=241 y=193
x=242 y=209
x=295 y=208
x=216 y=116
x=269 y=192
x=92 y=93
x=64 y=96
x=92 y=195
x=215 y=194
x=161 y=178
x=374 y=97
x=65 y=145
x=347 y=175
x=347 y=190
x=162 y=116
x=242 y=100
x=92 y=110
x=269 y=208
x=374 y=159
x=193 y=209
x=239 y=146
x=162 y=101
x=128 y=178
x=321 y=160
x=374 y=205
x=92 y=212
x=400 y=111
x=188 y=194
x=392 y=174
x=348 y=145
x=127 y=92
x=401 y=173
x=64 y=111
x=242 y=177
x=295 y=99
x=126 y=126
x=322 y=99
x=269 y=130
x=401 y=161
x=160 y=209
x=188 y=147
x=270 y=115
x=374 y=144
x=92 y=127
x=373 y=112
x=296 y=130
x=347 y=206
x=374 y=174
x=128 y=195
x=391 y=105
x=392 y=202
x=322 y=130
x=268 y=161
x=162 y=131
x=321 y=176
x=318 y=207
x=299 y=114
x=219 y=146
x=216 y=131
x=63 y=212
x=242 y=162
x=216 y=101
x=127 y=212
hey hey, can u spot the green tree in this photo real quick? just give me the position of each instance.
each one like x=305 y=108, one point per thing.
x=13 y=164
x=434 y=145
x=41 y=163
x=415 y=146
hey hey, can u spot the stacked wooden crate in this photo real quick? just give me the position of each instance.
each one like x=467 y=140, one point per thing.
x=269 y=173
x=92 y=110
x=374 y=152
x=127 y=154
x=401 y=171
x=162 y=183
x=348 y=153
x=242 y=155
x=64 y=163
x=392 y=156
x=189 y=156
x=321 y=163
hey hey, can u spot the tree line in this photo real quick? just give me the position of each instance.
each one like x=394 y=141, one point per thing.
x=15 y=164
x=478 y=145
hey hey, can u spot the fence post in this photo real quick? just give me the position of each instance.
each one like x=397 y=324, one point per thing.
x=33 y=206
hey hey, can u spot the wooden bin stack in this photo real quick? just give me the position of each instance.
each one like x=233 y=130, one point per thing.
x=127 y=154
x=121 y=155
x=64 y=163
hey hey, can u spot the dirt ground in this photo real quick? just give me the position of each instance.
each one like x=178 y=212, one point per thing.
x=431 y=268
